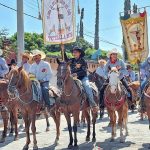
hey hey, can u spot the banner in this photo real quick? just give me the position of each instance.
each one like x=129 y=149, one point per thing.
x=58 y=21
x=135 y=34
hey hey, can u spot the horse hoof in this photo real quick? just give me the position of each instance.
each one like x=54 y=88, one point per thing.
x=2 y=140
x=56 y=142
x=47 y=129
x=16 y=138
x=70 y=146
x=87 y=139
x=93 y=139
x=122 y=141
x=10 y=134
x=76 y=147
x=112 y=140
x=26 y=147
x=35 y=147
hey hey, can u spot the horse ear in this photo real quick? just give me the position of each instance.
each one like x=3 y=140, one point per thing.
x=58 y=61
x=20 y=68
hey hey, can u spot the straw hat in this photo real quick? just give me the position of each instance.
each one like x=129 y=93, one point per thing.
x=102 y=61
x=38 y=52
x=1 y=52
x=28 y=55
x=113 y=51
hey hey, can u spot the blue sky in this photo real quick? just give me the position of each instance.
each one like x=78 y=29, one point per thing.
x=110 y=28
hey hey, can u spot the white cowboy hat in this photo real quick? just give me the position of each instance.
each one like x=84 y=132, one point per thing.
x=113 y=51
x=1 y=52
x=38 y=52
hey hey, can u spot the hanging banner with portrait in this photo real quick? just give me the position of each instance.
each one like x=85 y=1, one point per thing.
x=135 y=32
x=58 y=21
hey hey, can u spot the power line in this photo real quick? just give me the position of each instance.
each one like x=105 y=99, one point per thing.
x=16 y=11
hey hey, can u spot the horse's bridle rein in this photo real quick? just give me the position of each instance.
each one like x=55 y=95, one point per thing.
x=63 y=84
x=16 y=93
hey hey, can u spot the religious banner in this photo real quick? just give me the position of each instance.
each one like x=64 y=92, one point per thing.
x=135 y=34
x=58 y=21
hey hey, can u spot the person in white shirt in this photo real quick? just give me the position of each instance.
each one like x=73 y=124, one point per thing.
x=101 y=69
x=43 y=73
x=25 y=61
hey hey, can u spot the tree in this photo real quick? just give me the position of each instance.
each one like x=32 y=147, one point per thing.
x=96 y=39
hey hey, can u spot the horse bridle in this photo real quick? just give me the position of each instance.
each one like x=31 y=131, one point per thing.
x=63 y=85
x=16 y=93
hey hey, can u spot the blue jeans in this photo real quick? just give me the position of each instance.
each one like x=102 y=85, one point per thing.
x=88 y=90
x=45 y=93
x=144 y=82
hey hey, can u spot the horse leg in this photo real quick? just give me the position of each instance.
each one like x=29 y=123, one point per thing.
x=33 y=128
x=47 y=121
x=88 y=119
x=94 y=122
x=5 y=117
x=83 y=120
x=11 y=124
x=113 y=124
x=27 y=127
x=15 y=118
x=126 y=120
x=67 y=116
x=56 y=117
x=76 y=116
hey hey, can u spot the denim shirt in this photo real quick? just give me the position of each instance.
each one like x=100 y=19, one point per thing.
x=123 y=72
x=146 y=66
x=4 y=69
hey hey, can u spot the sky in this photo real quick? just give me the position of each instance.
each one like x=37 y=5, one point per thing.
x=110 y=28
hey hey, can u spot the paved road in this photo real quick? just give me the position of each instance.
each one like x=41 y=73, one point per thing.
x=138 y=139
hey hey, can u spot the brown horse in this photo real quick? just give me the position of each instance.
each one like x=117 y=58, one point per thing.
x=20 y=86
x=71 y=99
x=115 y=101
x=12 y=107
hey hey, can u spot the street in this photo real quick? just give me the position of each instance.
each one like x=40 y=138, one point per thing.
x=138 y=139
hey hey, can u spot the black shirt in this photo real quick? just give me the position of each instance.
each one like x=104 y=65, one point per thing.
x=79 y=66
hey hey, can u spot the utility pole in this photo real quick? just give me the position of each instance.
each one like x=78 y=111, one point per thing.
x=20 y=30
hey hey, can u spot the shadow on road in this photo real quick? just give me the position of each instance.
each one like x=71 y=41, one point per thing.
x=146 y=146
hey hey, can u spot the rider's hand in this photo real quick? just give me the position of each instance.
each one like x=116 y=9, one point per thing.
x=74 y=75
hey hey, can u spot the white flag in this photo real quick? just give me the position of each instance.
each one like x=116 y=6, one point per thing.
x=59 y=21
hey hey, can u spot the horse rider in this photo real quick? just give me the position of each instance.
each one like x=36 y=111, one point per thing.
x=101 y=69
x=131 y=73
x=79 y=69
x=145 y=66
x=26 y=57
x=4 y=69
x=43 y=73
x=114 y=61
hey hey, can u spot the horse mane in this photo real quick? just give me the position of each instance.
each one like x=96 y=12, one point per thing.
x=23 y=80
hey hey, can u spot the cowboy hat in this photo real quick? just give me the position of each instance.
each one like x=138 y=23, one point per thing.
x=28 y=55
x=102 y=61
x=76 y=48
x=1 y=52
x=38 y=52
x=113 y=51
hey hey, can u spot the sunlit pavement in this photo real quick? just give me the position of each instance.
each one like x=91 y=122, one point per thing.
x=138 y=139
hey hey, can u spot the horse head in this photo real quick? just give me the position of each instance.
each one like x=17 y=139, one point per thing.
x=114 y=80
x=63 y=72
x=18 y=79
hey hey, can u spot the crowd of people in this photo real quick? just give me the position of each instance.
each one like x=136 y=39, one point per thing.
x=42 y=72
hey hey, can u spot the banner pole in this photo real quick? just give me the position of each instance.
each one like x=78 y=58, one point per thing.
x=62 y=51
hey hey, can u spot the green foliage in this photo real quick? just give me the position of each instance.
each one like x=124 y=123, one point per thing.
x=89 y=52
